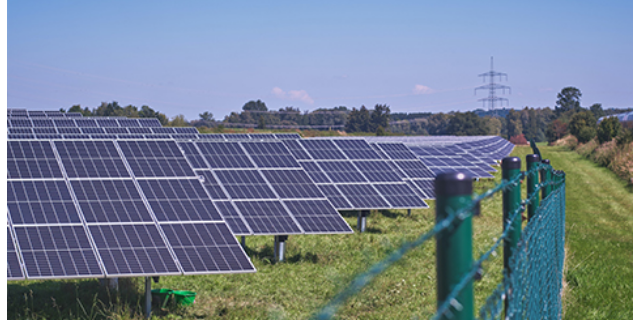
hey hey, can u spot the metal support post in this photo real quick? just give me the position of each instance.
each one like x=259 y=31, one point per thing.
x=279 y=247
x=511 y=203
x=113 y=284
x=533 y=160
x=545 y=176
x=362 y=220
x=408 y=212
x=454 y=251
x=243 y=243
x=147 y=295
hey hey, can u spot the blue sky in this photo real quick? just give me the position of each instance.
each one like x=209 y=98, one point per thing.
x=187 y=57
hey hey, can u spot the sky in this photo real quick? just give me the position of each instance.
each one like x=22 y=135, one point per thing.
x=188 y=57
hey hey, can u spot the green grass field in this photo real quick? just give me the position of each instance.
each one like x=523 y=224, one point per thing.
x=598 y=267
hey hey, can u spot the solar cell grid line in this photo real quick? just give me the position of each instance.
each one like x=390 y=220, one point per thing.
x=396 y=151
x=317 y=216
x=163 y=130
x=31 y=159
x=84 y=123
x=116 y=130
x=268 y=217
x=415 y=169
x=20 y=136
x=14 y=266
x=20 y=130
x=221 y=155
x=186 y=130
x=48 y=130
x=68 y=130
x=65 y=123
x=91 y=159
x=337 y=199
x=206 y=248
x=107 y=123
x=41 y=202
x=139 y=130
x=91 y=130
x=155 y=158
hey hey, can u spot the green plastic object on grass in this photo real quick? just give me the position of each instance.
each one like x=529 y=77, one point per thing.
x=184 y=298
x=163 y=295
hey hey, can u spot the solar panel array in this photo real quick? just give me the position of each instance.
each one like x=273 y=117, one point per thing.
x=269 y=190
x=106 y=208
x=353 y=175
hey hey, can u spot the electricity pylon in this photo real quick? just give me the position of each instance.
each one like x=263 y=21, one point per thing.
x=492 y=87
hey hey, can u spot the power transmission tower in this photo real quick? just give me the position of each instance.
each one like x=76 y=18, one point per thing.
x=492 y=87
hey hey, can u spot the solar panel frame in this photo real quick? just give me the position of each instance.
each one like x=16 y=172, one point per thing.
x=14 y=265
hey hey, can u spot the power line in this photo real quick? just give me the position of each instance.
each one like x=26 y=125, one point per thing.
x=492 y=87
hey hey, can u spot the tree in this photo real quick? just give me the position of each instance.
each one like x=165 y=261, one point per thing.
x=556 y=130
x=581 y=120
x=358 y=120
x=608 y=129
x=206 y=116
x=514 y=124
x=568 y=100
x=261 y=123
x=380 y=116
x=178 y=121
x=467 y=124
x=597 y=111
x=255 y=106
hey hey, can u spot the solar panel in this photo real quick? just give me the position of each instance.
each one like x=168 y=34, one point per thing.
x=224 y=155
x=400 y=195
x=292 y=184
x=110 y=201
x=287 y=136
x=85 y=123
x=133 y=250
x=14 y=269
x=212 y=186
x=15 y=123
x=149 y=122
x=20 y=131
x=206 y=248
x=322 y=149
x=267 y=217
x=68 y=130
x=357 y=149
x=128 y=123
x=341 y=171
x=270 y=155
x=39 y=123
x=91 y=159
x=90 y=130
x=139 y=130
x=48 y=130
x=296 y=149
x=157 y=158
x=426 y=186
x=20 y=136
x=211 y=136
x=186 y=130
x=397 y=151
x=31 y=160
x=335 y=197
x=315 y=172
x=47 y=136
x=233 y=219
x=179 y=200
x=193 y=155
x=116 y=130
x=56 y=251
x=162 y=130
x=262 y=136
x=105 y=123
x=317 y=216
x=244 y=184
x=363 y=196
x=377 y=171
x=40 y=201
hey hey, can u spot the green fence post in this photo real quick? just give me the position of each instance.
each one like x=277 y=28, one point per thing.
x=532 y=181
x=510 y=203
x=454 y=252
x=545 y=176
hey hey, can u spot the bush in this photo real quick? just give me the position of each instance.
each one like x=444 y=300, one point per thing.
x=569 y=142
x=586 y=134
x=608 y=129
x=519 y=139
x=587 y=149
x=625 y=136
x=556 y=130
x=622 y=162
x=603 y=155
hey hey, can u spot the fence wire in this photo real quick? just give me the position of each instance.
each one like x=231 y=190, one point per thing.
x=534 y=286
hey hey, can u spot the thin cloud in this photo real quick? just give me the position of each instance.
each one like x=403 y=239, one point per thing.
x=420 y=89
x=294 y=95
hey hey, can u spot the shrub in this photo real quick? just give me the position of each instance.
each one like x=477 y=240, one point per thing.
x=569 y=141
x=586 y=149
x=622 y=162
x=605 y=153
x=519 y=139
x=586 y=134
x=608 y=129
x=581 y=120
x=625 y=136
x=556 y=130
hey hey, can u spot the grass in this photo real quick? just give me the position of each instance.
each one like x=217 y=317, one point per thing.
x=598 y=268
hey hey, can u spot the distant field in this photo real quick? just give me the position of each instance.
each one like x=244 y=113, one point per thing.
x=599 y=267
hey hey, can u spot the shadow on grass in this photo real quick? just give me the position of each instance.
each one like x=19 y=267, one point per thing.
x=392 y=214
x=55 y=299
